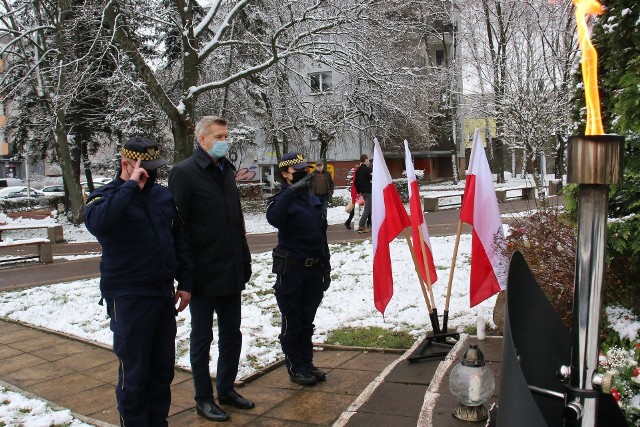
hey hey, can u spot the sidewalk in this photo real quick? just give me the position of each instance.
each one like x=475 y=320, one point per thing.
x=81 y=377
x=363 y=388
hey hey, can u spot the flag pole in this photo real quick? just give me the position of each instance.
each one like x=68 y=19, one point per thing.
x=434 y=310
x=445 y=315
x=434 y=322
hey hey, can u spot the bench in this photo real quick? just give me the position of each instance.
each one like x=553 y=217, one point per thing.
x=525 y=193
x=54 y=231
x=431 y=203
x=45 y=252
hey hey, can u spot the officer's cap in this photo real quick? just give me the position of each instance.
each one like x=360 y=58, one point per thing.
x=295 y=160
x=143 y=149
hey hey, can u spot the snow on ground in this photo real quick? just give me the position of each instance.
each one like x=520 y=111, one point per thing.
x=18 y=410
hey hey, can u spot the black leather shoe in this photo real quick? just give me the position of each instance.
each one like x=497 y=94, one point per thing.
x=303 y=378
x=235 y=400
x=319 y=374
x=347 y=225
x=211 y=411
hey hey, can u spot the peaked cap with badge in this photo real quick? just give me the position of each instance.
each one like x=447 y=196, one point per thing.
x=143 y=149
x=295 y=160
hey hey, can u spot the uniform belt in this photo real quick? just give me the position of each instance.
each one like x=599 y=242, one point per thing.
x=308 y=262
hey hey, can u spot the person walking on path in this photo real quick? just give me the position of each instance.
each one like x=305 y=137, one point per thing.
x=205 y=192
x=363 y=186
x=143 y=250
x=321 y=184
x=302 y=264
x=354 y=197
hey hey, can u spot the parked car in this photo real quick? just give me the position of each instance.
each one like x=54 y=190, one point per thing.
x=53 y=190
x=19 y=191
x=10 y=182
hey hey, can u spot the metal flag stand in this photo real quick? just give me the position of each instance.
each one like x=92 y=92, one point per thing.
x=441 y=337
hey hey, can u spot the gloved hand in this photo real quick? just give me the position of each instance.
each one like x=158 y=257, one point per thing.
x=303 y=184
x=326 y=278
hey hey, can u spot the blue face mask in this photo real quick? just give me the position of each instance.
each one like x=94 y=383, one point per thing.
x=219 y=149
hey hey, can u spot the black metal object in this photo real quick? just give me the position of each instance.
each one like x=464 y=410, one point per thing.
x=435 y=346
x=536 y=343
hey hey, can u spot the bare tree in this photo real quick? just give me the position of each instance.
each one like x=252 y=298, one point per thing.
x=39 y=52
x=523 y=54
x=217 y=38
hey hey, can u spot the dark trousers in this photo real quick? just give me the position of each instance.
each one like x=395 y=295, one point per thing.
x=366 y=213
x=348 y=221
x=298 y=294
x=324 y=199
x=227 y=309
x=144 y=332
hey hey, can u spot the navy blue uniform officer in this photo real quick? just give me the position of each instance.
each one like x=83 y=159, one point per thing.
x=301 y=262
x=143 y=250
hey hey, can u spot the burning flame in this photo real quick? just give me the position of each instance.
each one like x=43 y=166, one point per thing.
x=589 y=64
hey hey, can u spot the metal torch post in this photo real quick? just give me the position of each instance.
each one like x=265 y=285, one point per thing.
x=594 y=162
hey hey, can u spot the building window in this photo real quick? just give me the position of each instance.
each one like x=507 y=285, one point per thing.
x=439 y=57
x=320 y=82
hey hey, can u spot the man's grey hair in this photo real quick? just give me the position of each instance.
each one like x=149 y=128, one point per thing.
x=206 y=121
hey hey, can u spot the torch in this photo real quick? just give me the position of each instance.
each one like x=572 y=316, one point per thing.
x=594 y=162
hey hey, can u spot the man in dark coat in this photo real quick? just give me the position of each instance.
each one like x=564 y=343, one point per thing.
x=321 y=185
x=205 y=192
x=363 y=186
x=143 y=250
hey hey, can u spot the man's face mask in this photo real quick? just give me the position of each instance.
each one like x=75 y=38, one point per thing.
x=219 y=149
x=298 y=175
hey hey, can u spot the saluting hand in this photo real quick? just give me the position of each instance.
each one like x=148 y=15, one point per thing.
x=139 y=175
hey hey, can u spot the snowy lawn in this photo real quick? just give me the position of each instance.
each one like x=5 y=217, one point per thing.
x=73 y=307
x=18 y=410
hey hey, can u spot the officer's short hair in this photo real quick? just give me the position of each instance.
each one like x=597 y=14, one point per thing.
x=206 y=121
x=363 y=158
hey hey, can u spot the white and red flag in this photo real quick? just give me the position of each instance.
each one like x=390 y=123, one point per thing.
x=480 y=209
x=388 y=219
x=418 y=226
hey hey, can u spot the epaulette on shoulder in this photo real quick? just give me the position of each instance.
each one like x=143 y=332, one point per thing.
x=93 y=199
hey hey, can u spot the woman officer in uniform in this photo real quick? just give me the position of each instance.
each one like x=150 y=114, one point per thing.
x=301 y=262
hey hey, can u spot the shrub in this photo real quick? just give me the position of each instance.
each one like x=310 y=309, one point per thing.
x=622 y=355
x=403 y=189
x=622 y=282
x=547 y=240
x=24 y=204
x=252 y=190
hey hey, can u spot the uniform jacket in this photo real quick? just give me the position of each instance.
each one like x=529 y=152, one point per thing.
x=363 y=179
x=209 y=205
x=143 y=244
x=302 y=228
x=313 y=183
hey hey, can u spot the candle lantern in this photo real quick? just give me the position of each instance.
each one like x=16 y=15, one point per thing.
x=472 y=382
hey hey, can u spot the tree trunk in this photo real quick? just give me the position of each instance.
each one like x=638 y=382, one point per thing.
x=183 y=136
x=499 y=160
x=75 y=213
x=181 y=127
x=560 y=160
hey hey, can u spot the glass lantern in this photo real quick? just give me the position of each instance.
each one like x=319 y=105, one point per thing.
x=472 y=382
